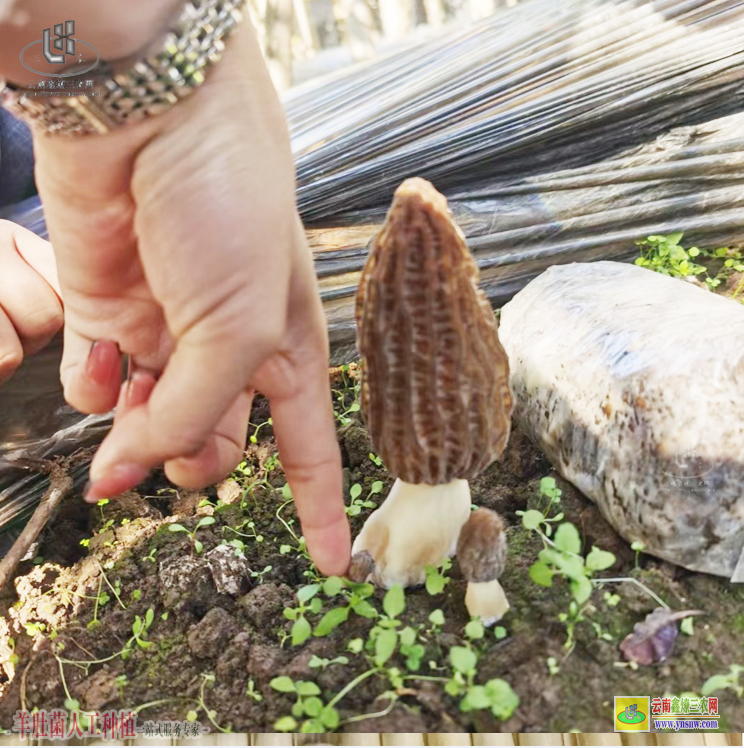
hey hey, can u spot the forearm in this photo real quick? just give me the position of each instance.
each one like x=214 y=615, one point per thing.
x=116 y=28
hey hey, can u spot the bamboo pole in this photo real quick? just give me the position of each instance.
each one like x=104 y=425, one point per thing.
x=359 y=738
x=599 y=738
x=571 y=738
x=716 y=738
x=640 y=739
x=676 y=739
x=493 y=738
x=271 y=738
x=447 y=738
x=539 y=738
x=150 y=741
x=402 y=738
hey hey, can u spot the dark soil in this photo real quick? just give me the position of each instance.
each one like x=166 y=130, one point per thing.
x=217 y=615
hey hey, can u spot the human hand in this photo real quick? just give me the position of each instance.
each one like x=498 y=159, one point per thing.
x=30 y=307
x=179 y=243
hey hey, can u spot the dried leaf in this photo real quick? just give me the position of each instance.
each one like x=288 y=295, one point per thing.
x=653 y=638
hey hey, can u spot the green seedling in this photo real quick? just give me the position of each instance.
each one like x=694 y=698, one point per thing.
x=320 y=663
x=308 y=602
x=357 y=503
x=377 y=461
x=637 y=546
x=553 y=667
x=246 y=530
x=354 y=597
x=251 y=692
x=318 y=717
x=436 y=578
x=725 y=681
x=383 y=638
x=13 y=659
x=254 y=435
x=151 y=555
x=496 y=695
x=665 y=255
x=196 y=545
x=140 y=627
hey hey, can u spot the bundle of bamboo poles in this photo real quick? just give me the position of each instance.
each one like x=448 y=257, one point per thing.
x=430 y=739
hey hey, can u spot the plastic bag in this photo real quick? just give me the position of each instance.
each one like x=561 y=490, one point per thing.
x=631 y=382
x=559 y=132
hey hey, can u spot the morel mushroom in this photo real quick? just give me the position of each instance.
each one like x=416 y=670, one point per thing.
x=481 y=551
x=435 y=393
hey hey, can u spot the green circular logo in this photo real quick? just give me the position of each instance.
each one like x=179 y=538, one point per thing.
x=636 y=719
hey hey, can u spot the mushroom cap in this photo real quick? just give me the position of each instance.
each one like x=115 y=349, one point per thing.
x=481 y=547
x=435 y=381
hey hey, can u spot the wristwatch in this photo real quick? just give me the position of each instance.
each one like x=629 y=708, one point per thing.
x=130 y=89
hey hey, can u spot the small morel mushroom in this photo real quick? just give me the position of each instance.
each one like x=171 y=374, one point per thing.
x=435 y=392
x=481 y=551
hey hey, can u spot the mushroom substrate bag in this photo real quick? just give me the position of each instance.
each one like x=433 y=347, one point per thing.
x=558 y=131
x=632 y=383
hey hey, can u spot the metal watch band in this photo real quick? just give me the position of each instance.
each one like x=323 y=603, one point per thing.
x=134 y=88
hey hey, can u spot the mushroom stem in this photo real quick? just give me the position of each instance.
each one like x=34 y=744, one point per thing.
x=417 y=526
x=487 y=600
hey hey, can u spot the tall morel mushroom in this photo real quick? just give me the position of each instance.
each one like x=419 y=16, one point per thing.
x=435 y=392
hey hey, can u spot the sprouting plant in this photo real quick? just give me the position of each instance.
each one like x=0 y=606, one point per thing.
x=561 y=556
x=475 y=630
x=13 y=656
x=308 y=602
x=375 y=459
x=101 y=599
x=496 y=695
x=121 y=682
x=140 y=627
x=254 y=435
x=553 y=667
x=724 y=681
x=354 y=597
x=319 y=717
x=637 y=546
x=357 y=503
x=343 y=417
x=499 y=632
x=251 y=692
x=151 y=555
x=322 y=663
x=436 y=619
x=436 y=578
x=33 y=629
x=259 y=575
x=665 y=255
x=611 y=600
x=196 y=545
x=246 y=530
x=383 y=637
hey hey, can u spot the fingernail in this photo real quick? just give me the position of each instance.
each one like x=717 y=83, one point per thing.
x=115 y=481
x=139 y=387
x=103 y=363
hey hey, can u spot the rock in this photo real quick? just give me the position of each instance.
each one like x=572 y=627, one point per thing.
x=229 y=570
x=229 y=491
x=233 y=660
x=98 y=690
x=633 y=384
x=185 y=582
x=264 y=661
x=208 y=637
x=263 y=603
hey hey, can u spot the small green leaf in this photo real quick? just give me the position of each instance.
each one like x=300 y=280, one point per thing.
x=307 y=688
x=313 y=706
x=204 y=522
x=191 y=716
x=499 y=632
x=567 y=538
x=541 y=574
x=598 y=560
x=286 y=724
x=365 y=609
x=72 y=705
x=476 y=698
x=307 y=592
x=474 y=629
x=331 y=621
x=283 y=684
x=686 y=626
x=198 y=546
x=532 y=519
x=715 y=683
x=286 y=492
x=376 y=487
x=312 y=726
x=332 y=586
x=437 y=617
x=385 y=646
x=407 y=636
x=329 y=717
x=503 y=699
x=355 y=492
x=394 y=602
x=463 y=659
x=177 y=528
x=301 y=631
x=355 y=645
x=581 y=589
x=285 y=549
